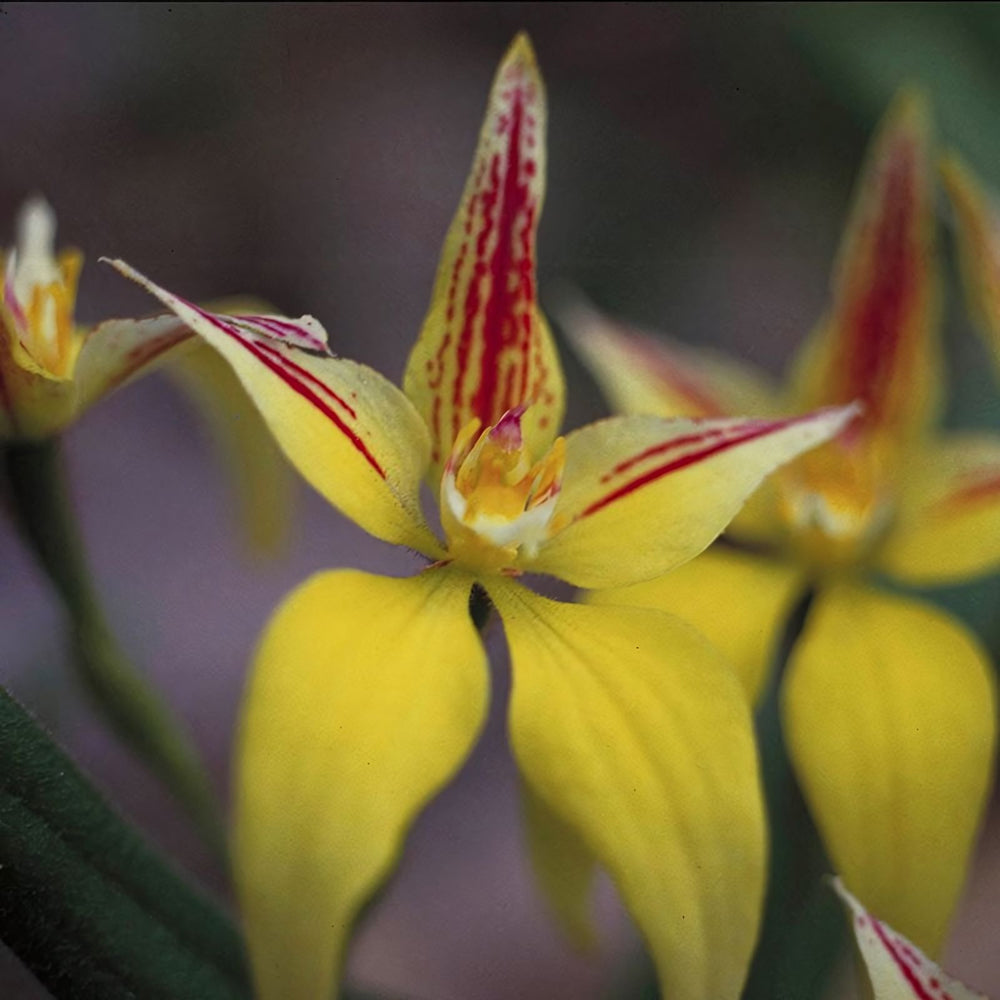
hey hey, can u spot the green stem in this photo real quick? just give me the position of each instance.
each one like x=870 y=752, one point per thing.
x=132 y=707
x=802 y=933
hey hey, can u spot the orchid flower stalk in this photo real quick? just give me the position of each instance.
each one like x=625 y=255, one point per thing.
x=367 y=693
x=51 y=372
x=889 y=707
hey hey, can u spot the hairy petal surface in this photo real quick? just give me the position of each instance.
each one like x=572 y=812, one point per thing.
x=485 y=347
x=632 y=729
x=889 y=714
x=977 y=235
x=641 y=495
x=737 y=600
x=948 y=525
x=350 y=432
x=639 y=373
x=894 y=967
x=367 y=695
x=879 y=342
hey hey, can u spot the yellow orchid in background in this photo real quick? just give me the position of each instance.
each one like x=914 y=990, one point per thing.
x=888 y=705
x=894 y=968
x=367 y=694
x=977 y=230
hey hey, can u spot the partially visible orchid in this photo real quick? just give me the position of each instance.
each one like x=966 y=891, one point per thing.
x=977 y=232
x=50 y=369
x=893 y=967
x=889 y=704
x=368 y=693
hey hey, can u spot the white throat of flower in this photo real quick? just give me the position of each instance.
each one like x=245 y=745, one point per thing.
x=497 y=505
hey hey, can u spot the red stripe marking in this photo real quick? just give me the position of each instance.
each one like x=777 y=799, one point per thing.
x=682 y=462
x=308 y=376
x=667 y=446
x=673 y=372
x=980 y=489
x=908 y=974
x=285 y=330
x=290 y=380
x=508 y=211
x=874 y=321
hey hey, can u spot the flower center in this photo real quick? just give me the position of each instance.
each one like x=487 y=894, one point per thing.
x=835 y=503
x=39 y=292
x=496 y=503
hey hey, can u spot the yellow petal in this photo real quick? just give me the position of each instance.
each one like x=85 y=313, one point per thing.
x=639 y=373
x=33 y=403
x=563 y=865
x=485 y=347
x=367 y=695
x=118 y=350
x=879 y=343
x=977 y=235
x=895 y=968
x=737 y=600
x=889 y=715
x=948 y=525
x=351 y=433
x=263 y=480
x=632 y=729
x=641 y=495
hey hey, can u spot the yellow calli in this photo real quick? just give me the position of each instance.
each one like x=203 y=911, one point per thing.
x=894 y=968
x=367 y=693
x=889 y=704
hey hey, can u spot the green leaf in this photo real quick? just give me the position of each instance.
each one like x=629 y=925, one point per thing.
x=84 y=903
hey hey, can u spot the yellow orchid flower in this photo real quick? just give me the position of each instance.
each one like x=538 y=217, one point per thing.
x=895 y=969
x=367 y=694
x=888 y=704
x=977 y=233
x=52 y=370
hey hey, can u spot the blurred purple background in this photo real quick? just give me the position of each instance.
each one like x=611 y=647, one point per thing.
x=699 y=169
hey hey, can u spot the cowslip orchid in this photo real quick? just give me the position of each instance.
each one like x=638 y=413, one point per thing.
x=977 y=232
x=888 y=704
x=52 y=369
x=367 y=693
x=893 y=968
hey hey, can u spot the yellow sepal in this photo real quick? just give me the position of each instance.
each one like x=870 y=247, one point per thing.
x=889 y=713
x=632 y=730
x=737 y=600
x=366 y=696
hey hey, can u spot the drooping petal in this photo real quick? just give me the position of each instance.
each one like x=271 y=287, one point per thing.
x=263 y=481
x=879 y=343
x=118 y=350
x=564 y=867
x=895 y=968
x=351 y=433
x=889 y=715
x=485 y=347
x=948 y=524
x=639 y=373
x=977 y=236
x=641 y=495
x=738 y=600
x=633 y=730
x=366 y=696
